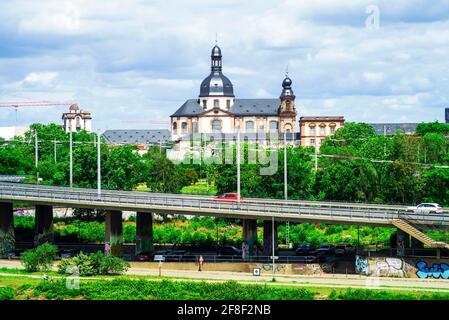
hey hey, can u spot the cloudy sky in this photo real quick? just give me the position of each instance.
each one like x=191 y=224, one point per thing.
x=132 y=62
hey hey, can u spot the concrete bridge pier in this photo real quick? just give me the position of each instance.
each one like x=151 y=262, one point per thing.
x=402 y=242
x=7 y=238
x=144 y=232
x=249 y=238
x=114 y=233
x=43 y=224
x=268 y=238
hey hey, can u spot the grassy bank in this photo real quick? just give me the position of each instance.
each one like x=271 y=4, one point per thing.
x=121 y=288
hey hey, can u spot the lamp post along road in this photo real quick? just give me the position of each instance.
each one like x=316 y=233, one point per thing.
x=287 y=238
x=54 y=149
x=238 y=165
x=71 y=155
x=36 y=150
x=316 y=153
x=98 y=164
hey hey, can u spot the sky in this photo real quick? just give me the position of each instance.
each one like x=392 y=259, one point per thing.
x=133 y=62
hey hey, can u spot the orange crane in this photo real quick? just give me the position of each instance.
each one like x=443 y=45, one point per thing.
x=42 y=103
x=155 y=122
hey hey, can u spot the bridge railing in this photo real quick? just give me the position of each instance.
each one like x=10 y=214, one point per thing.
x=149 y=201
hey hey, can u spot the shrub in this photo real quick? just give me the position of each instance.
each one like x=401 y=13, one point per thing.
x=7 y=293
x=93 y=264
x=83 y=264
x=113 y=265
x=40 y=258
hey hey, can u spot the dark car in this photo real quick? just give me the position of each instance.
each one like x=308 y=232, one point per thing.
x=325 y=250
x=307 y=259
x=229 y=251
x=145 y=256
x=343 y=249
x=304 y=248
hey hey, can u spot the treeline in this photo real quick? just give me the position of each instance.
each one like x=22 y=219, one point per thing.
x=355 y=164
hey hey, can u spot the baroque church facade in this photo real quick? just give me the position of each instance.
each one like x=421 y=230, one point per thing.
x=217 y=110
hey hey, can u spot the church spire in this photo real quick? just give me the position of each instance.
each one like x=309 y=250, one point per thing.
x=216 y=59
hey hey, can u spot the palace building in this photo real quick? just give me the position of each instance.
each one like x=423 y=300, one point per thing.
x=217 y=110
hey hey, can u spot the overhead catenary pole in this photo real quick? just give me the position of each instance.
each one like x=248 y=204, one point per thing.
x=98 y=164
x=272 y=241
x=238 y=165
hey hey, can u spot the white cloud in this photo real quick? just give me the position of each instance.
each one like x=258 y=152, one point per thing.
x=145 y=58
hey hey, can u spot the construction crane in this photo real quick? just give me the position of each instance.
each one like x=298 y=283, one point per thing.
x=43 y=103
x=155 y=122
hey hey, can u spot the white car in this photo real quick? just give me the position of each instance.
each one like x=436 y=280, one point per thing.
x=426 y=208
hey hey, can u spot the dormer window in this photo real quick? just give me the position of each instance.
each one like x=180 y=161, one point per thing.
x=216 y=103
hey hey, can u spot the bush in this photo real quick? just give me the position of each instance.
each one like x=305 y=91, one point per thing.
x=113 y=265
x=7 y=293
x=93 y=264
x=83 y=264
x=40 y=258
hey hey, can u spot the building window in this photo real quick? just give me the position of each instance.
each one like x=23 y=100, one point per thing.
x=332 y=130
x=195 y=127
x=249 y=126
x=175 y=128
x=228 y=104
x=274 y=125
x=78 y=122
x=287 y=104
x=322 y=140
x=184 y=127
x=312 y=141
x=312 y=131
x=204 y=104
x=322 y=131
x=216 y=103
x=216 y=125
x=261 y=126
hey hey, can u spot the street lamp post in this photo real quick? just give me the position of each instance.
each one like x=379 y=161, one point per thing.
x=98 y=164
x=71 y=155
x=54 y=149
x=316 y=153
x=238 y=165
x=287 y=238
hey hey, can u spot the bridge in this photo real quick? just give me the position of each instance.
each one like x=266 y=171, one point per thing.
x=250 y=209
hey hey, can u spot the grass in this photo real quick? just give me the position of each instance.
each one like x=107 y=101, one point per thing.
x=124 y=284
x=201 y=188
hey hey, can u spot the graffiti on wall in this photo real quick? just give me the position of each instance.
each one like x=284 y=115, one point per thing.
x=393 y=267
x=390 y=267
x=436 y=271
x=361 y=265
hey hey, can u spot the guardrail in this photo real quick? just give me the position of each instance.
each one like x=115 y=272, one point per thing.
x=148 y=201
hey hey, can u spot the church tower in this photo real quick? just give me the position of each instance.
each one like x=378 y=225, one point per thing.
x=287 y=110
x=216 y=91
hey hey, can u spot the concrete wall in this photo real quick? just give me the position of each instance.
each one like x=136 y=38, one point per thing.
x=265 y=268
x=424 y=268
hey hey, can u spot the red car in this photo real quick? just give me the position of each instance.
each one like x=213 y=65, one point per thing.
x=227 y=197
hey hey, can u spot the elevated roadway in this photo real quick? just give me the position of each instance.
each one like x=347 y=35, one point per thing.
x=294 y=211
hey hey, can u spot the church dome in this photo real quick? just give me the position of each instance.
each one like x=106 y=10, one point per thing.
x=287 y=88
x=216 y=83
